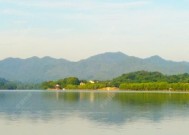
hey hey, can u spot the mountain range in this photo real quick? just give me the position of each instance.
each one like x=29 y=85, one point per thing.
x=99 y=67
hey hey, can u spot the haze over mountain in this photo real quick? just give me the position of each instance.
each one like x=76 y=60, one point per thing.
x=101 y=67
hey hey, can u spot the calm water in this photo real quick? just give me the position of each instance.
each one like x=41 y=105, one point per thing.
x=93 y=113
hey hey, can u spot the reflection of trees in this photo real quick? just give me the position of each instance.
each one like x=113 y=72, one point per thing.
x=113 y=107
x=102 y=107
x=78 y=96
x=153 y=99
x=138 y=99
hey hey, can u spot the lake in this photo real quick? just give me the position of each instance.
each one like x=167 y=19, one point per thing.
x=93 y=113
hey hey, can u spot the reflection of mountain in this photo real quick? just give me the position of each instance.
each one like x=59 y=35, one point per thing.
x=102 y=107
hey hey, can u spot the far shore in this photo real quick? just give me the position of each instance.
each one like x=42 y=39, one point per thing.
x=105 y=89
x=115 y=89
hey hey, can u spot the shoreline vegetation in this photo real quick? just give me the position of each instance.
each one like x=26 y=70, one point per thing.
x=141 y=80
x=135 y=81
x=133 y=87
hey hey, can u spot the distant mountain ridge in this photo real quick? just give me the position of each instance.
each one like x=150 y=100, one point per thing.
x=104 y=66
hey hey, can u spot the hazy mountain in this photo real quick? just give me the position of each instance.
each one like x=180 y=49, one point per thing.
x=102 y=66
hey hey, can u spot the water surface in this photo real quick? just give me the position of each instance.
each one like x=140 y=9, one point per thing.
x=94 y=113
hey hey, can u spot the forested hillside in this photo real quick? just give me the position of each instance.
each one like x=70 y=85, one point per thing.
x=104 y=66
x=11 y=85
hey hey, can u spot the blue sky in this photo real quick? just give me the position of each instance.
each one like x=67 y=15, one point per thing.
x=76 y=29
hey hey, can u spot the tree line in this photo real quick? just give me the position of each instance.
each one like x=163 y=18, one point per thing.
x=73 y=83
x=13 y=85
x=140 y=80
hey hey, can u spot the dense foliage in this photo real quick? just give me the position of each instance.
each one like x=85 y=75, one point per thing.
x=146 y=77
x=141 y=80
x=73 y=83
x=10 y=85
x=4 y=84
x=63 y=83
x=155 y=86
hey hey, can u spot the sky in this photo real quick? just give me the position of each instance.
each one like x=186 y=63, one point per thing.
x=77 y=29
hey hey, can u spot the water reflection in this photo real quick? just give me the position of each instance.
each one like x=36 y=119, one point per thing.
x=102 y=107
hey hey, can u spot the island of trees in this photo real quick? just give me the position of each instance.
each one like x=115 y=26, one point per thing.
x=141 y=80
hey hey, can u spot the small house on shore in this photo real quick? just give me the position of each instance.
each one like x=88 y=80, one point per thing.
x=57 y=87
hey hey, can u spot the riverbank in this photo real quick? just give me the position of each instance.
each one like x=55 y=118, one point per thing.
x=117 y=90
